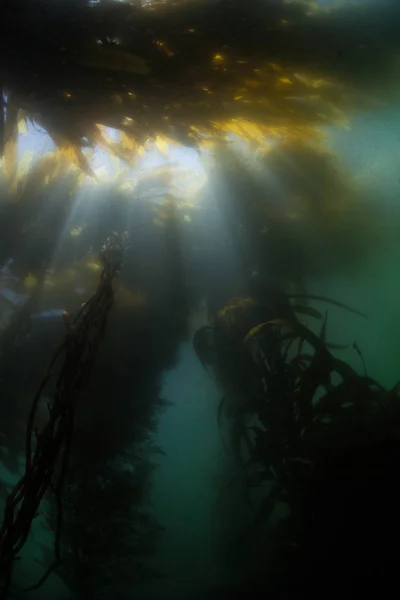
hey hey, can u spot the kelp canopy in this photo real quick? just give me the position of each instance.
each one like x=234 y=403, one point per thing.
x=188 y=71
x=195 y=73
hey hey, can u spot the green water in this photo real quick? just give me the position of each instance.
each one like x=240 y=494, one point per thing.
x=241 y=222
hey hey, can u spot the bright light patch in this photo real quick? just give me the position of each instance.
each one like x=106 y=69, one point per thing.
x=33 y=140
x=187 y=172
x=186 y=177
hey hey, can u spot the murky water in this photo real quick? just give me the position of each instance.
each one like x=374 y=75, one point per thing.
x=296 y=190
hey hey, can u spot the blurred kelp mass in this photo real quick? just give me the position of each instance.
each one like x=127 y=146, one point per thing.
x=202 y=136
x=294 y=212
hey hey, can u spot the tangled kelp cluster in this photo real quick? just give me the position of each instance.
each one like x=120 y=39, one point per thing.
x=52 y=266
x=187 y=72
x=47 y=451
x=293 y=409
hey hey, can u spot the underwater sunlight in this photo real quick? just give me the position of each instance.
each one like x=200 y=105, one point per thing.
x=199 y=322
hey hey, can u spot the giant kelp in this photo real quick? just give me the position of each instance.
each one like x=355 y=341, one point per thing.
x=115 y=424
x=218 y=72
x=187 y=71
x=47 y=451
x=294 y=409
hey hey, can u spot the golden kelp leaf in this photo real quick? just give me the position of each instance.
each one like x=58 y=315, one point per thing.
x=22 y=128
x=233 y=309
x=25 y=162
x=285 y=80
x=162 y=145
x=218 y=60
x=102 y=139
x=75 y=156
x=10 y=158
x=128 y=147
x=261 y=326
x=68 y=152
x=238 y=303
x=128 y=142
x=100 y=134
x=112 y=59
x=249 y=131
x=82 y=162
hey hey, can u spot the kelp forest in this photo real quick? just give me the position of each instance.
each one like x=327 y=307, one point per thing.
x=199 y=314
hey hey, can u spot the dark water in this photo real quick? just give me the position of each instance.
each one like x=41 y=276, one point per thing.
x=296 y=201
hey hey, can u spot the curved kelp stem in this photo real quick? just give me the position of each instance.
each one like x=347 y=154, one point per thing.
x=47 y=451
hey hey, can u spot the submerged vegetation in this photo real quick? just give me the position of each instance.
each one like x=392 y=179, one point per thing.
x=249 y=86
x=111 y=457
x=252 y=90
x=187 y=73
x=293 y=409
x=47 y=450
